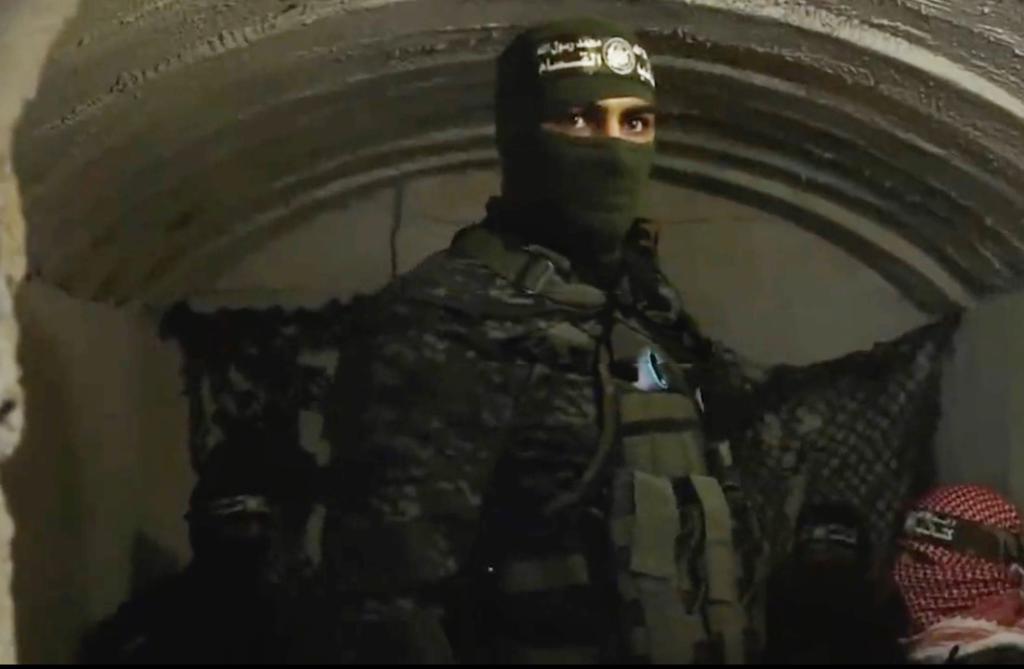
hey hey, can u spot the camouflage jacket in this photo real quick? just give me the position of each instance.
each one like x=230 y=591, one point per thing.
x=521 y=472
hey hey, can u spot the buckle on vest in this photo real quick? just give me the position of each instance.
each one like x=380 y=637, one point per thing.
x=232 y=506
x=649 y=374
x=536 y=274
x=834 y=533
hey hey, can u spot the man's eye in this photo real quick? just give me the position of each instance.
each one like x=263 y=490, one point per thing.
x=638 y=124
x=576 y=120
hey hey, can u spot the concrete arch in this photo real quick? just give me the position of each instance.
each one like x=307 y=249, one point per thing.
x=176 y=128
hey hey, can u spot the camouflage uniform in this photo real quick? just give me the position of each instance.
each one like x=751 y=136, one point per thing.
x=504 y=490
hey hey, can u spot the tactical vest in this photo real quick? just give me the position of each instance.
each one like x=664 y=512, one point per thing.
x=675 y=502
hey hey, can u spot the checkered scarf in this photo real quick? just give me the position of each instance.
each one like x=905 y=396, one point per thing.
x=956 y=600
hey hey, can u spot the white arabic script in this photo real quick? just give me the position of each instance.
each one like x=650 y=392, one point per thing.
x=588 y=60
x=645 y=73
x=923 y=523
x=555 y=48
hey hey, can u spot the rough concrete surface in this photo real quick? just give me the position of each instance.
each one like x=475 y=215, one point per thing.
x=170 y=138
x=27 y=28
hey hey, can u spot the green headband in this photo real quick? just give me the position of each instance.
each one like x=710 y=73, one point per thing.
x=583 y=193
x=570 y=62
x=593 y=56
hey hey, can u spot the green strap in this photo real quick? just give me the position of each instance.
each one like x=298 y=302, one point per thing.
x=548 y=574
x=656 y=526
x=570 y=344
x=606 y=440
x=644 y=407
x=638 y=454
x=531 y=271
x=725 y=614
x=672 y=633
x=568 y=339
x=627 y=343
x=573 y=294
x=622 y=531
x=489 y=249
x=671 y=454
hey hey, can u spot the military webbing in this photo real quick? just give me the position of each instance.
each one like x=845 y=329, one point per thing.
x=672 y=632
x=726 y=616
x=666 y=447
x=606 y=441
x=663 y=448
x=567 y=338
x=655 y=527
x=532 y=271
x=544 y=574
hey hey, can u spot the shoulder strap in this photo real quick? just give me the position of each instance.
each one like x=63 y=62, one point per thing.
x=532 y=272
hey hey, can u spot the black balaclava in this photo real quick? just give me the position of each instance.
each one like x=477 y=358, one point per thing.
x=577 y=196
x=251 y=500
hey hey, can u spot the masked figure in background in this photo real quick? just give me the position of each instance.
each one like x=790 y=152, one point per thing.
x=526 y=470
x=232 y=603
x=959 y=572
x=823 y=604
x=530 y=437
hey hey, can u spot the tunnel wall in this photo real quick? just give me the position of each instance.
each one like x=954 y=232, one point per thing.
x=892 y=129
x=102 y=479
x=27 y=29
x=981 y=437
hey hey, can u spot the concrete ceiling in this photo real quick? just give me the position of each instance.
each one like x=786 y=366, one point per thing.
x=169 y=138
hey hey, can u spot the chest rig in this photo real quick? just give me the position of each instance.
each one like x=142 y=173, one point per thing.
x=674 y=501
x=672 y=515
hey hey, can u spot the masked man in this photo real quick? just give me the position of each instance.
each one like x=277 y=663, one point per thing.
x=528 y=453
x=530 y=438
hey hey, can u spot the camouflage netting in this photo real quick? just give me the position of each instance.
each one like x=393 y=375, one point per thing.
x=857 y=430
x=261 y=371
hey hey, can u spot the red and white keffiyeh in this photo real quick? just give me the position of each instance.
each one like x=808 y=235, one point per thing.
x=957 y=600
